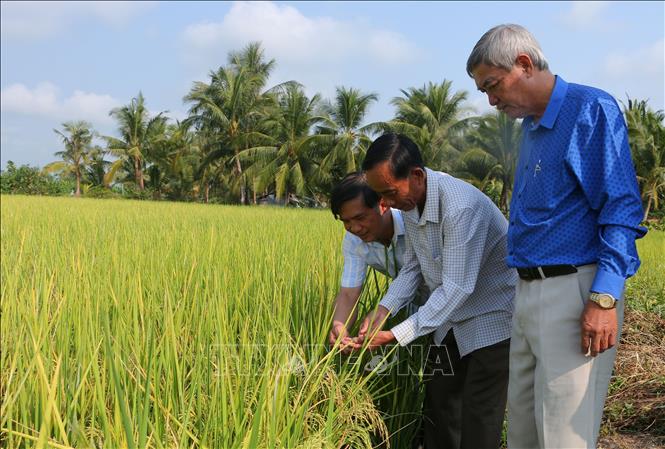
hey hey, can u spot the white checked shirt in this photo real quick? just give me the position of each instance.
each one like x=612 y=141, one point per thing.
x=459 y=246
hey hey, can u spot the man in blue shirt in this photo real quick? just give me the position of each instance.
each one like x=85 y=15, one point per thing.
x=574 y=218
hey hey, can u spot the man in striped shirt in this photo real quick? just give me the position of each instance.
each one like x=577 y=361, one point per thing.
x=455 y=240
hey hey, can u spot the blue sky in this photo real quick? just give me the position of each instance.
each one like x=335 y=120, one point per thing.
x=77 y=61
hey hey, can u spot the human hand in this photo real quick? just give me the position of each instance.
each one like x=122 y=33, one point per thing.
x=339 y=333
x=379 y=338
x=599 y=329
x=371 y=324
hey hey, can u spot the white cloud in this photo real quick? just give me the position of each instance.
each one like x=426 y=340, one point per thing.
x=584 y=14
x=44 y=101
x=314 y=50
x=646 y=61
x=37 y=20
x=638 y=73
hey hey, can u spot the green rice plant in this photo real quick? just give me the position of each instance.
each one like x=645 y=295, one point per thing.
x=161 y=325
x=134 y=324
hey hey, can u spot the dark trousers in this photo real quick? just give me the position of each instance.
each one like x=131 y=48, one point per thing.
x=465 y=398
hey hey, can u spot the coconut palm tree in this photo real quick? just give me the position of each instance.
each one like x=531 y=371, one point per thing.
x=343 y=120
x=138 y=133
x=95 y=172
x=77 y=139
x=432 y=117
x=475 y=167
x=290 y=161
x=174 y=162
x=647 y=140
x=231 y=106
x=498 y=136
x=252 y=59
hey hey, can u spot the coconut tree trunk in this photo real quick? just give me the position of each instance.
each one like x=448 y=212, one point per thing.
x=648 y=208
x=138 y=173
x=243 y=191
x=78 y=183
x=207 y=192
x=503 y=200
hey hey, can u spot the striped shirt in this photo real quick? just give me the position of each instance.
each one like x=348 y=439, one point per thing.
x=459 y=246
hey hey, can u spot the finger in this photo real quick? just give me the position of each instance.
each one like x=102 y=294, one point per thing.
x=611 y=340
x=363 y=327
x=586 y=344
x=353 y=345
x=347 y=341
x=604 y=342
x=595 y=345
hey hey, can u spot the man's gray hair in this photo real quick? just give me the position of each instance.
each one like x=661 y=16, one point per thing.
x=501 y=45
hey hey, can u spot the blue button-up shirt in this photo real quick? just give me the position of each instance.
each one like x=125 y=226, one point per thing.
x=576 y=199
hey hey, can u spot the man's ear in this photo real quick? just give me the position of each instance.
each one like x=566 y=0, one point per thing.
x=382 y=206
x=418 y=174
x=524 y=62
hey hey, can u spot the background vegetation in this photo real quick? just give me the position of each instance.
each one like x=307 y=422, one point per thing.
x=244 y=142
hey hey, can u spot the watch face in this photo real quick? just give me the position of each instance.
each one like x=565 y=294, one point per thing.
x=606 y=301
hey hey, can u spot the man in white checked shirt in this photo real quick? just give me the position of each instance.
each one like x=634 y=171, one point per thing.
x=374 y=238
x=456 y=240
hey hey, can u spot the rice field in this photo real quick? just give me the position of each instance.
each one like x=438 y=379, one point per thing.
x=160 y=325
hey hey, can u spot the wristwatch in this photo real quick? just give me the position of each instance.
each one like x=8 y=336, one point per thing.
x=604 y=300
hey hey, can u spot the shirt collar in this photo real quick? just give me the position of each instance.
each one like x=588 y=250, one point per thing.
x=431 y=209
x=398 y=223
x=553 y=106
x=398 y=231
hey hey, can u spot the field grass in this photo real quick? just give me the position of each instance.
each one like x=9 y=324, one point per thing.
x=646 y=290
x=141 y=324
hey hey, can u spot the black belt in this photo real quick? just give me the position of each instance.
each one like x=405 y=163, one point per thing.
x=547 y=271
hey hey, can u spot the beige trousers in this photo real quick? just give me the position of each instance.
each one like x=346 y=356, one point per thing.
x=555 y=393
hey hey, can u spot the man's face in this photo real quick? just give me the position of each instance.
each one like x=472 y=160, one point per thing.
x=505 y=89
x=399 y=193
x=360 y=220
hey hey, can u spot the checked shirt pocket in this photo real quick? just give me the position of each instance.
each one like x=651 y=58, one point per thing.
x=434 y=271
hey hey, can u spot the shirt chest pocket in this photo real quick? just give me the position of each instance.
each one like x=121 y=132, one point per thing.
x=429 y=245
x=541 y=189
x=432 y=272
x=545 y=175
